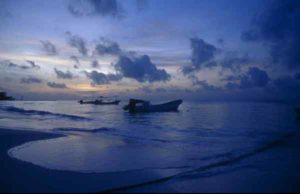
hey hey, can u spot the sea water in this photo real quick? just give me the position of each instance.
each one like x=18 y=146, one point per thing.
x=104 y=139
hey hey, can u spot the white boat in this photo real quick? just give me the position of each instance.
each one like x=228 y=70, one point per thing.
x=136 y=105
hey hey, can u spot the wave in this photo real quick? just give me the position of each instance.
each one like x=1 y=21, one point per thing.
x=41 y=113
x=204 y=169
x=103 y=129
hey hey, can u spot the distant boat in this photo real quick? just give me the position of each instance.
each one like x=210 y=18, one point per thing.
x=136 y=105
x=100 y=101
x=3 y=96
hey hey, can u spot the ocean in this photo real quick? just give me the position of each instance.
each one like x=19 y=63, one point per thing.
x=200 y=137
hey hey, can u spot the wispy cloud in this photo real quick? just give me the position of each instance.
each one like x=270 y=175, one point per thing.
x=31 y=80
x=77 y=42
x=33 y=65
x=49 y=47
x=63 y=75
x=57 y=85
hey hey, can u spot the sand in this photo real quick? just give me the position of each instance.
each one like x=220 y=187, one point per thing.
x=19 y=176
x=274 y=170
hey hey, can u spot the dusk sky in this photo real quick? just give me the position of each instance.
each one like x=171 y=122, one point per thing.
x=162 y=49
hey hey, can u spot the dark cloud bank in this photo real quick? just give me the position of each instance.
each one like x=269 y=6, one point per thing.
x=278 y=27
x=141 y=69
x=104 y=8
x=254 y=77
x=99 y=78
x=128 y=65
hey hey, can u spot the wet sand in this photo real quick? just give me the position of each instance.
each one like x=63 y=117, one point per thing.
x=275 y=169
x=271 y=170
x=19 y=176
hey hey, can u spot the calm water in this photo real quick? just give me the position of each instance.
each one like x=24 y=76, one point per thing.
x=107 y=139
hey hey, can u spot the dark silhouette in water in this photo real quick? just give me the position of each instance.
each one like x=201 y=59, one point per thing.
x=100 y=101
x=136 y=105
x=3 y=96
x=297 y=110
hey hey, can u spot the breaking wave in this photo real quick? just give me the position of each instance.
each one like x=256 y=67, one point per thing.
x=103 y=129
x=40 y=113
x=203 y=170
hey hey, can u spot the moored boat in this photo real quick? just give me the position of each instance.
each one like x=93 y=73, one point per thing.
x=100 y=101
x=136 y=105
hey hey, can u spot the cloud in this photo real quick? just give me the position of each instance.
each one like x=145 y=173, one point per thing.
x=9 y=64
x=4 y=12
x=288 y=82
x=203 y=54
x=107 y=48
x=31 y=80
x=141 y=69
x=141 y=4
x=56 y=85
x=147 y=89
x=14 y=65
x=95 y=64
x=278 y=27
x=287 y=87
x=78 y=43
x=49 y=47
x=33 y=65
x=204 y=85
x=231 y=78
x=80 y=8
x=76 y=60
x=99 y=78
x=63 y=75
x=233 y=62
x=254 y=78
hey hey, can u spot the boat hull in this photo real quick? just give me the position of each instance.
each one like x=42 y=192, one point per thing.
x=100 y=103
x=166 y=107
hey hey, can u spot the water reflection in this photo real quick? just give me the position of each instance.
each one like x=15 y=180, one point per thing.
x=156 y=140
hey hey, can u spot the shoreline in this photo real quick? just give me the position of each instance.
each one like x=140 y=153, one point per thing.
x=22 y=177
x=19 y=176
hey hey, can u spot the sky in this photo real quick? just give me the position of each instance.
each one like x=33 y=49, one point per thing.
x=200 y=50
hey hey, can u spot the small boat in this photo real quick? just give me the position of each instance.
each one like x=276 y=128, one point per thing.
x=136 y=105
x=100 y=101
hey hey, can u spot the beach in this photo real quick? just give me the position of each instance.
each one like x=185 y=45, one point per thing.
x=19 y=177
x=99 y=149
x=278 y=172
